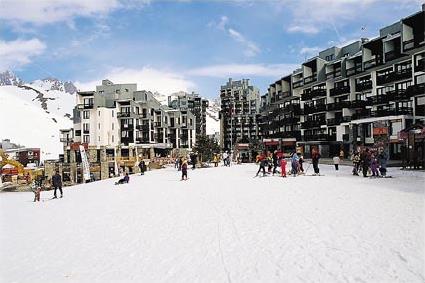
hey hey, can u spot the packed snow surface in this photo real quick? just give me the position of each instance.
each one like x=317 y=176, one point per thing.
x=222 y=225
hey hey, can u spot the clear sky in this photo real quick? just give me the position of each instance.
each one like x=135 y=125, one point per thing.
x=168 y=46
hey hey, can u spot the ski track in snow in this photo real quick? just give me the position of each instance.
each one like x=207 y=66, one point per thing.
x=221 y=225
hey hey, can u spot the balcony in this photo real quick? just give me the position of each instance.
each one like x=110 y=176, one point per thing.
x=354 y=70
x=309 y=109
x=358 y=103
x=398 y=94
x=86 y=132
x=290 y=120
x=409 y=44
x=123 y=114
x=339 y=90
x=333 y=74
x=391 y=55
x=318 y=92
x=392 y=112
x=362 y=86
x=394 y=76
x=415 y=90
x=158 y=124
x=365 y=113
x=338 y=120
x=338 y=105
x=305 y=96
x=372 y=63
x=298 y=83
x=420 y=65
x=310 y=79
x=313 y=123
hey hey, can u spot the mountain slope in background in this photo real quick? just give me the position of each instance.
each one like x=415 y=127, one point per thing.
x=33 y=113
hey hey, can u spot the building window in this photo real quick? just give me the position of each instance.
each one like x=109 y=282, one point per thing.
x=86 y=114
x=98 y=125
x=99 y=138
x=112 y=126
x=112 y=138
x=86 y=127
x=112 y=113
x=86 y=139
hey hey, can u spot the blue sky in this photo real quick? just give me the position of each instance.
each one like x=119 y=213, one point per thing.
x=168 y=46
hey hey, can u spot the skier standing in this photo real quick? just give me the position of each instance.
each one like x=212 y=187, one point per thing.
x=142 y=167
x=275 y=161
x=336 y=160
x=283 y=166
x=225 y=155
x=294 y=164
x=263 y=163
x=315 y=156
x=184 y=170
x=365 y=160
x=356 y=162
x=57 y=184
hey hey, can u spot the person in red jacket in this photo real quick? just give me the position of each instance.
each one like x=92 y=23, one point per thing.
x=283 y=166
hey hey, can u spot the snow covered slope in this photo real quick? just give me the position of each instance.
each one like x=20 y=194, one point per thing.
x=213 y=120
x=219 y=226
x=32 y=113
x=32 y=117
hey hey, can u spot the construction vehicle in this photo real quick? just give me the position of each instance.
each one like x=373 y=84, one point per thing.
x=26 y=175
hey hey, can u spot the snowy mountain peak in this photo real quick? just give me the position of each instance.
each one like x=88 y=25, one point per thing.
x=9 y=78
x=50 y=83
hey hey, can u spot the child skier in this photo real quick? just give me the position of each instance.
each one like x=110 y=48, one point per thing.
x=283 y=167
x=36 y=188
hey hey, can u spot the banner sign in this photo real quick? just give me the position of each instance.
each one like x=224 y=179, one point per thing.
x=85 y=162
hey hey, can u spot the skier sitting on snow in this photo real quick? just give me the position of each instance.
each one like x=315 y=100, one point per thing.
x=283 y=167
x=124 y=180
x=382 y=159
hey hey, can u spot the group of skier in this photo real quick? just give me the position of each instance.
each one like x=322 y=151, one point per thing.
x=370 y=160
x=277 y=159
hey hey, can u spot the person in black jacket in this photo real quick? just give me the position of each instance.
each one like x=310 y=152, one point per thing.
x=57 y=183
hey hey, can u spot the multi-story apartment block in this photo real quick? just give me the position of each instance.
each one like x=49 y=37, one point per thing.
x=240 y=103
x=194 y=103
x=360 y=94
x=118 y=125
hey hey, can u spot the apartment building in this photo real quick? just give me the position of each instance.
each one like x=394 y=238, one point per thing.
x=363 y=93
x=240 y=103
x=119 y=125
x=194 y=103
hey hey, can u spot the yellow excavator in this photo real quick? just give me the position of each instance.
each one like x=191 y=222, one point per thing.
x=29 y=173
